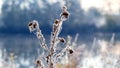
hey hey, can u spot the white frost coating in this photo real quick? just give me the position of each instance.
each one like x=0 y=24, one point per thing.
x=92 y=62
x=34 y=27
x=57 y=27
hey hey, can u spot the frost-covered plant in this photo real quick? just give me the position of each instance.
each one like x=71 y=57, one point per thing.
x=56 y=29
x=105 y=59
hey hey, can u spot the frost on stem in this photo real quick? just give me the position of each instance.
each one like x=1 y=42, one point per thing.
x=56 y=29
x=66 y=49
x=68 y=43
x=41 y=39
x=34 y=27
x=57 y=26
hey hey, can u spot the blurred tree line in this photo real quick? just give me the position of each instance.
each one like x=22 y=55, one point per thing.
x=17 y=13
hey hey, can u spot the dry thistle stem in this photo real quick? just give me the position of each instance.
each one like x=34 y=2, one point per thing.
x=34 y=27
x=56 y=29
x=57 y=26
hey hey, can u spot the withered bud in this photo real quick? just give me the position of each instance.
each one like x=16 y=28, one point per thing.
x=70 y=51
x=47 y=58
x=47 y=61
x=30 y=24
x=53 y=34
x=34 y=25
x=62 y=40
x=56 y=21
x=38 y=62
x=65 y=14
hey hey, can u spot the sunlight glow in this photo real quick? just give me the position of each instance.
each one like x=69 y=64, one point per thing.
x=52 y=1
x=91 y=62
x=24 y=5
x=109 y=6
x=62 y=2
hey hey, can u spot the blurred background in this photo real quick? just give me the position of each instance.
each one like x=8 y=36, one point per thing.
x=89 y=18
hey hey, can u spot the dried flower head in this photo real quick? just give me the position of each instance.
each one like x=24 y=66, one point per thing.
x=56 y=21
x=62 y=40
x=70 y=51
x=65 y=14
x=39 y=64
x=30 y=24
x=47 y=58
x=33 y=25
